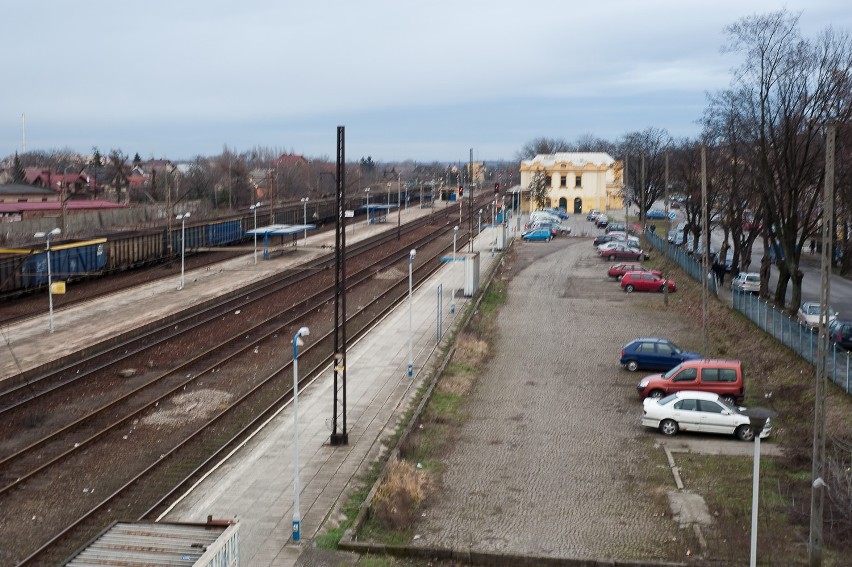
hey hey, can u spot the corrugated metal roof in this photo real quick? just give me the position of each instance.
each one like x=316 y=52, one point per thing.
x=149 y=545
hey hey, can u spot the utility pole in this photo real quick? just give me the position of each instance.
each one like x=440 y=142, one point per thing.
x=470 y=204
x=642 y=212
x=818 y=485
x=706 y=253
x=666 y=240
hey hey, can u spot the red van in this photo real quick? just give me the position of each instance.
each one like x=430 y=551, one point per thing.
x=723 y=377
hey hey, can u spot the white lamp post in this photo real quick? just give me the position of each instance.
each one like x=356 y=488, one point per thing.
x=387 y=202
x=46 y=236
x=452 y=272
x=254 y=208
x=367 y=191
x=410 y=311
x=297 y=518
x=480 y=223
x=305 y=205
x=182 y=218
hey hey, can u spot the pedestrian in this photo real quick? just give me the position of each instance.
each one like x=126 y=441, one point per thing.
x=653 y=228
x=813 y=245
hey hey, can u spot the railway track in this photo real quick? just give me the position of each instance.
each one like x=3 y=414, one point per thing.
x=181 y=453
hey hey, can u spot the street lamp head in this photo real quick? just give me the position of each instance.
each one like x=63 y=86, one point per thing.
x=413 y=253
x=304 y=332
x=455 y=228
x=182 y=216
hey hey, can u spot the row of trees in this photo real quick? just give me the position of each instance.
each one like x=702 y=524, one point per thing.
x=764 y=140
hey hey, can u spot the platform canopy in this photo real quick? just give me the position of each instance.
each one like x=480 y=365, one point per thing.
x=282 y=229
x=372 y=207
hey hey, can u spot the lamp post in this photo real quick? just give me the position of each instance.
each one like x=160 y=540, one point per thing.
x=410 y=315
x=758 y=417
x=305 y=205
x=480 y=224
x=182 y=218
x=254 y=208
x=452 y=269
x=46 y=236
x=297 y=518
x=367 y=191
x=387 y=201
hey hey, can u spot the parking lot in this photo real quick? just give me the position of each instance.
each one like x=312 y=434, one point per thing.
x=552 y=461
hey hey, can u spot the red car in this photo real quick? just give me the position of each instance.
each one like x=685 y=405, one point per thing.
x=623 y=251
x=618 y=270
x=645 y=281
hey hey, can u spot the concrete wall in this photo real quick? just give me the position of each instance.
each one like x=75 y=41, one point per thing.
x=88 y=224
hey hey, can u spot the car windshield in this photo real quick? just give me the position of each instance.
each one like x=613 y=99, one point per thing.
x=672 y=372
x=667 y=399
x=812 y=309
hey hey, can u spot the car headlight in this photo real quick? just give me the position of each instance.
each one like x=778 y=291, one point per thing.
x=643 y=382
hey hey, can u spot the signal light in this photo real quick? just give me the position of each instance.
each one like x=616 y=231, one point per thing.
x=461 y=191
x=496 y=188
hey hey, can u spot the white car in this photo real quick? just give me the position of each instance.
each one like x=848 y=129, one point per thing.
x=808 y=314
x=698 y=411
x=746 y=282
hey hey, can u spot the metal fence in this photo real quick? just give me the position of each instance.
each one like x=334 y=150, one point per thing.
x=787 y=330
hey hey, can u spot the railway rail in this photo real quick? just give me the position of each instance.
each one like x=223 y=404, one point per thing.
x=175 y=455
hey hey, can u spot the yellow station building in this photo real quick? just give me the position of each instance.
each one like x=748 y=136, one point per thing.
x=577 y=181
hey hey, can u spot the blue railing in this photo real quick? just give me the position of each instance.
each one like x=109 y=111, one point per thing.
x=792 y=334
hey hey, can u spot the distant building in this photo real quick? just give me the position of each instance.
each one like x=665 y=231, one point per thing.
x=576 y=181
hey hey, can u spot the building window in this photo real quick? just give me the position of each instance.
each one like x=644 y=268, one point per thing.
x=548 y=181
x=563 y=181
x=578 y=181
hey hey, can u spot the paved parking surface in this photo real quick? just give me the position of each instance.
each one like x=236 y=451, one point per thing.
x=552 y=461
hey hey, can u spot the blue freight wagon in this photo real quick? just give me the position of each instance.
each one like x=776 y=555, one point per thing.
x=226 y=232
x=72 y=260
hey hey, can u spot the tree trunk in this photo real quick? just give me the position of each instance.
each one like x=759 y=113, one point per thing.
x=781 y=287
x=796 y=295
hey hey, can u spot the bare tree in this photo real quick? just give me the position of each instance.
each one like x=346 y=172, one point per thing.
x=538 y=189
x=789 y=87
x=650 y=144
x=542 y=146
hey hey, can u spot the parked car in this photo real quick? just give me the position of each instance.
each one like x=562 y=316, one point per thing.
x=559 y=212
x=602 y=221
x=645 y=281
x=699 y=411
x=722 y=377
x=604 y=238
x=621 y=251
x=656 y=214
x=618 y=270
x=653 y=354
x=808 y=314
x=593 y=215
x=617 y=226
x=536 y=234
x=840 y=332
x=542 y=224
x=747 y=282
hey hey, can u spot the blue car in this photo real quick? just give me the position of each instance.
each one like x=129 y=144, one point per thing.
x=656 y=214
x=540 y=233
x=653 y=354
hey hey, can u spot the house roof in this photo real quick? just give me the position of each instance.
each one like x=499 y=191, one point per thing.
x=24 y=189
x=56 y=206
x=574 y=158
x=290 y=159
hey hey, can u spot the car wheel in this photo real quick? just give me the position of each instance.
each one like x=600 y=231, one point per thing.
x=632 y=366
x=656 y=394
x=639 y=258
x=662 y=288
x=611 y=257
x=728 y=399
x=668 y=427
x=629 y=288
x=618 y=277
x=745 y=433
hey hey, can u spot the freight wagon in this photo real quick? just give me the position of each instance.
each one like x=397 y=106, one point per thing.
x=25 y=269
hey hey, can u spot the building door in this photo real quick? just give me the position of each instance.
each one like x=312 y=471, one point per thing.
x=563 y=203
x=578 y=206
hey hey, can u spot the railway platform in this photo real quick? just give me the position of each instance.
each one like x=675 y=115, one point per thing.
x=255 y=485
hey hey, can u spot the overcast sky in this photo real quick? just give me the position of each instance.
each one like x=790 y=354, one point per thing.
x=422 y=80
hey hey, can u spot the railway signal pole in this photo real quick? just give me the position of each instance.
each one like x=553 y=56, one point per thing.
x=339 y=435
